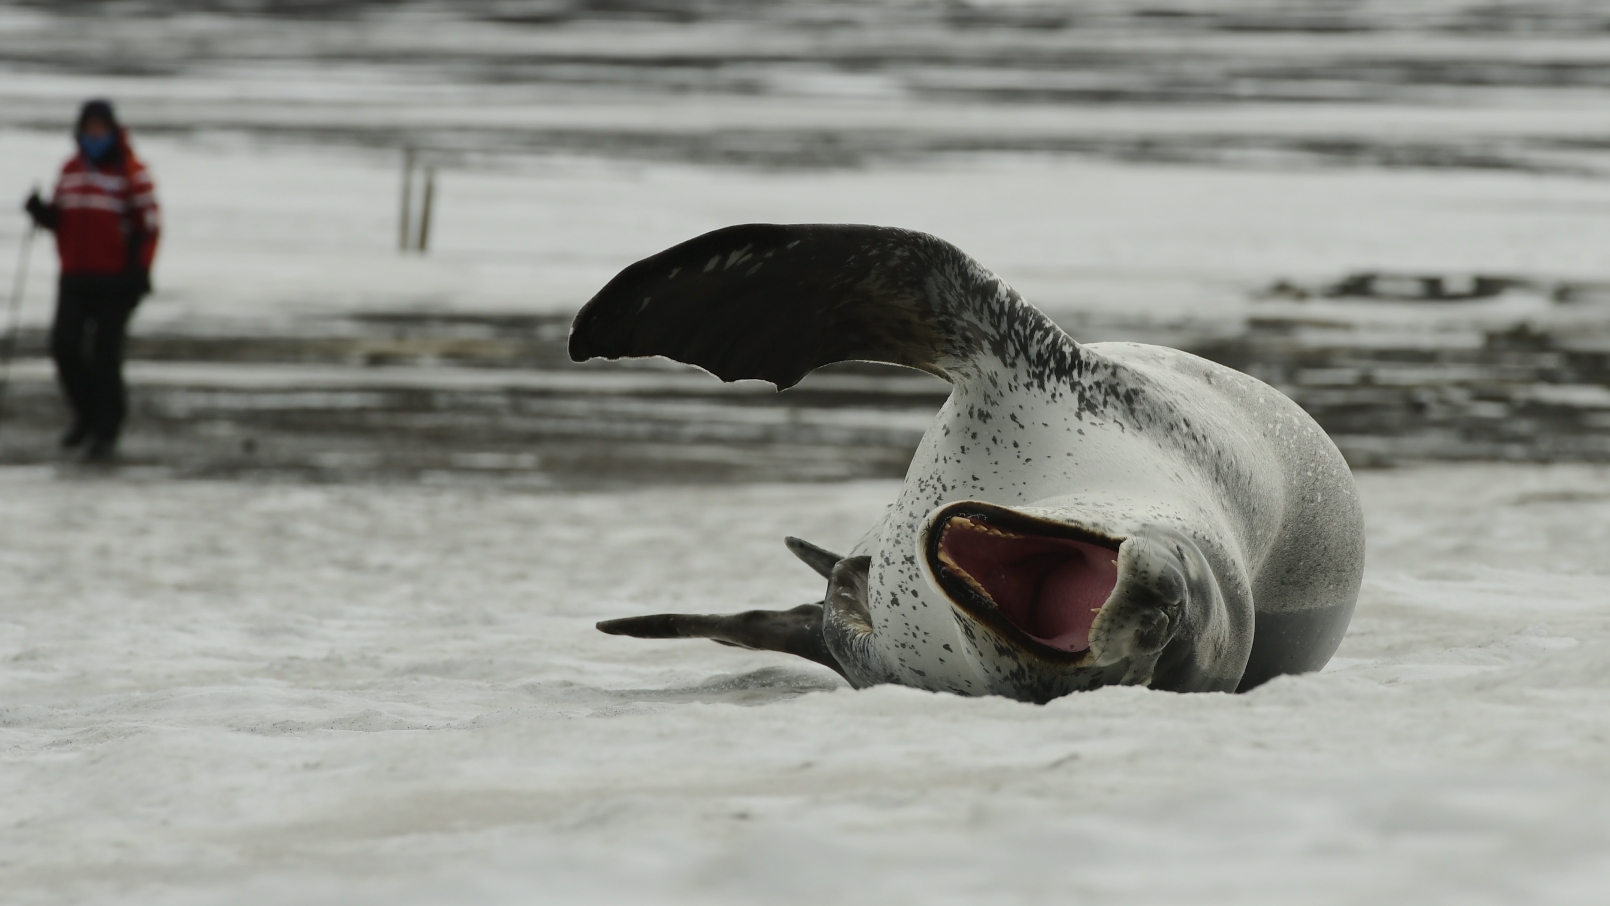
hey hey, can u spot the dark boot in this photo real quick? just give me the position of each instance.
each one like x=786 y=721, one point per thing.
x=75 y=435
x=101 y=450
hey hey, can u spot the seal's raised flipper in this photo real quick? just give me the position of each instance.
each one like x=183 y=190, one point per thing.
x=797 y=631
x=774 y=302
x=819 y=559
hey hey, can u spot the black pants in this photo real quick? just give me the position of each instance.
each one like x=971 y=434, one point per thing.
x=92 y=319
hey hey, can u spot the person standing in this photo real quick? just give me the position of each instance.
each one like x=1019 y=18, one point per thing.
x=105 y=217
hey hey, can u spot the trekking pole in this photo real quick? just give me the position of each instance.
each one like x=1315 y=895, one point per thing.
x=13 y=318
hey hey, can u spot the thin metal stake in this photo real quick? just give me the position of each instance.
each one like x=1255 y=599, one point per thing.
x=403 y=224
x=425 y=208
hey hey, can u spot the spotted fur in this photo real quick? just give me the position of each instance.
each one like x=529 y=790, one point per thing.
x=1242 y=539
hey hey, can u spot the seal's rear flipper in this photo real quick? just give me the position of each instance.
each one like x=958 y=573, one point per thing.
x=820 y=559
x=797 y=631
x=775 y=301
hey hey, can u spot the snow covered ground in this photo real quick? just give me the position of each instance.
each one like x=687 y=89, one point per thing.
x=1154 y=159
x=279 y=691
x=277 y=234
x=244 y=692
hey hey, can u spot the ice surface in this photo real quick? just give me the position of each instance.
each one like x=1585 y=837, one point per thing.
x=1279 y=139
x=274 y=234
x=238 y=692
x=279 y=692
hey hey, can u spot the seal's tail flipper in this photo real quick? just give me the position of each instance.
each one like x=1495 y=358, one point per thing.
x=797 y=631
x=774 y=302
x=818 y=558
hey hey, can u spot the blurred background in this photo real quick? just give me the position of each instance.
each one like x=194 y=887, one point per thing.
x=1398 y=211
x=361 y=666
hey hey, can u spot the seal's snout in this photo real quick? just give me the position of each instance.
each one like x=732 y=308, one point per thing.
x=1046 y=585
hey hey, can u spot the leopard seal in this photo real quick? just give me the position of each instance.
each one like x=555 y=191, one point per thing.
x=1076 y=516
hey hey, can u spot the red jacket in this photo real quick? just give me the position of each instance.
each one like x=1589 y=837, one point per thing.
x=103 y=210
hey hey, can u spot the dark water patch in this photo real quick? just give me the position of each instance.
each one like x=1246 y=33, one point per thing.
x=494 y=397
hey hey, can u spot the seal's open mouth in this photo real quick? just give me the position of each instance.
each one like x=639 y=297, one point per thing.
x=1048 y=587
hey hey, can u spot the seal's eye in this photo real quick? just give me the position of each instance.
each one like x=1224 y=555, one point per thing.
x=1049 y=588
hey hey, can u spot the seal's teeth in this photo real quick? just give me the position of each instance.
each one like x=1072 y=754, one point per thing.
x=963 y=574
x=983 y=528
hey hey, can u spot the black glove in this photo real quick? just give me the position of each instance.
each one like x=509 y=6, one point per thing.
x=138 y=282
x=44 y=215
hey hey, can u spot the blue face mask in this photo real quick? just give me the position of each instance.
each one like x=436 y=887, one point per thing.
x=95 y=148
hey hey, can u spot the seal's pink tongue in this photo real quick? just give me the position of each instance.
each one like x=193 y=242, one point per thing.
x=1070 y=596
x=1051 y=588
